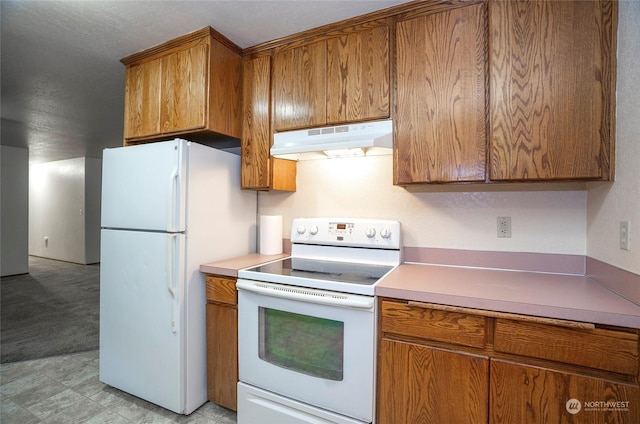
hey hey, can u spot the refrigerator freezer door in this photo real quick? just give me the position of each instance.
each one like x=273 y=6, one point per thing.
x=144 y=186
x=140 y=319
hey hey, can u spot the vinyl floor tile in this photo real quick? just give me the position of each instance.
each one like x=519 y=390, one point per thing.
x=66 y=389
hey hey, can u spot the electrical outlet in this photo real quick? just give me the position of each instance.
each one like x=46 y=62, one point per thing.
x=504 y=226
x=624 y=235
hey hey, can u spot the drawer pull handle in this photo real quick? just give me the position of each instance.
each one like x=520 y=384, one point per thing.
x=506 y=315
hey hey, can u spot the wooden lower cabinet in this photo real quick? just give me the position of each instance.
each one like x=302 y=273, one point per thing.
x=421 y=384
x=527 y=394
x=222 y=341
x=501 y=370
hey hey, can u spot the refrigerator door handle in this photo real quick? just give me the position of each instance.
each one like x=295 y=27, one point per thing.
x=174 y=200
x=172 y=279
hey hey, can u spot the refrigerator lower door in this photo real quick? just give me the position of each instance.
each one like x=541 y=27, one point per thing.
x=141 y=336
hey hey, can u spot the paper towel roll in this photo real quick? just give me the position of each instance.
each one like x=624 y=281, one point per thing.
x=270 y=234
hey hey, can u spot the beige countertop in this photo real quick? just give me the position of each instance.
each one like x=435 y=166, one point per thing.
x=569 y=297
x=230 y=267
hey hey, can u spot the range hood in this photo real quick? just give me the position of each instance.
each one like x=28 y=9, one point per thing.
x=366 y=138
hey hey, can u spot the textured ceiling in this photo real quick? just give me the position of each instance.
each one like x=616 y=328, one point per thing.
x=62 y=81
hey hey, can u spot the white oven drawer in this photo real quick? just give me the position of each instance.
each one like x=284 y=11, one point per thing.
x=257 y=406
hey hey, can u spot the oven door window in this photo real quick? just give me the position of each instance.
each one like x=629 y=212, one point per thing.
x=302 y=343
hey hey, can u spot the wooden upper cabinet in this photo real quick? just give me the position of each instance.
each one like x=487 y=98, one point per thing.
x=299 y=86
x=256 y=122
x=142 y=99
x=358 y=76
x=183 y=97
x=259 y=170
x=186 y=86
x=552 y=88
x=441 y=102
x=340 y=79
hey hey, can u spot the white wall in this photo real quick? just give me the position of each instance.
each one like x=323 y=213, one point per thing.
x=460 y=218
x=58 y=207
x=608 y=204
x=14 y=202
x=93 y=190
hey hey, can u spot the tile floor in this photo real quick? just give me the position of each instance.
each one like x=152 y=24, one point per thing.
x=66 y=389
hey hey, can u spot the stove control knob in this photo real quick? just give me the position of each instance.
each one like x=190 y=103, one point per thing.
x=385 y=233
x=301 y=229
x=313 y=230
x=371 y=232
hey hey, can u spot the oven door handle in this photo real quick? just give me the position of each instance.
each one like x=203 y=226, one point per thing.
x=303 y=294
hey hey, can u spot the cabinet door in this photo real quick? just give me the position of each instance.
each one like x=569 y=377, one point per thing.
x=421 y=384
x=222 y=354
x=256 y=129
x=259 y=170
x=225 y=90
x=184 y=83
x=441 y=106
x=142 y=99
x=550 y=84
x=358 y=76
x=299 y=86
x=526 y=394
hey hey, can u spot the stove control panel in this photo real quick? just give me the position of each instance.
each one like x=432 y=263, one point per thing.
x=352 y=232
x=341 y=228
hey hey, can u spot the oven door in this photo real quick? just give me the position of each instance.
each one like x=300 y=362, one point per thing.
x=313 y=346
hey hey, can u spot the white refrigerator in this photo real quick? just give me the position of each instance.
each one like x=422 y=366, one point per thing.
x=167 y=207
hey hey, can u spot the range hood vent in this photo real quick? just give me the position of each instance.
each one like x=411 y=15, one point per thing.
x=367 y=138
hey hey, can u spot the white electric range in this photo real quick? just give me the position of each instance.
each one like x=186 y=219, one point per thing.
x=307 y=324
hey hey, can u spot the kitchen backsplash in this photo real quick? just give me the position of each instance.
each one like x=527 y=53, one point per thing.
x=542 y=221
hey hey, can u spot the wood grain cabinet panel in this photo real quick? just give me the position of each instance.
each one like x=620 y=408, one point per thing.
x=338 y=79
x=441 y=101
x=221 y=289
x=222 y=340
x=222 y=355
x=142 y=99
x=451 y=327
x=420 y=384
x=531 y=395
x=256 y=123
x=299 y=86
x=552 y=89
x=521 y=372
x=358 y=76
x=259 y=170
x=184 y=87
x=603 y=349
x=189 y=86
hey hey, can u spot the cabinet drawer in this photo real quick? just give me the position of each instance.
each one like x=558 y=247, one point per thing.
x=444 y=326
x=221 y=289
x=603 y=349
